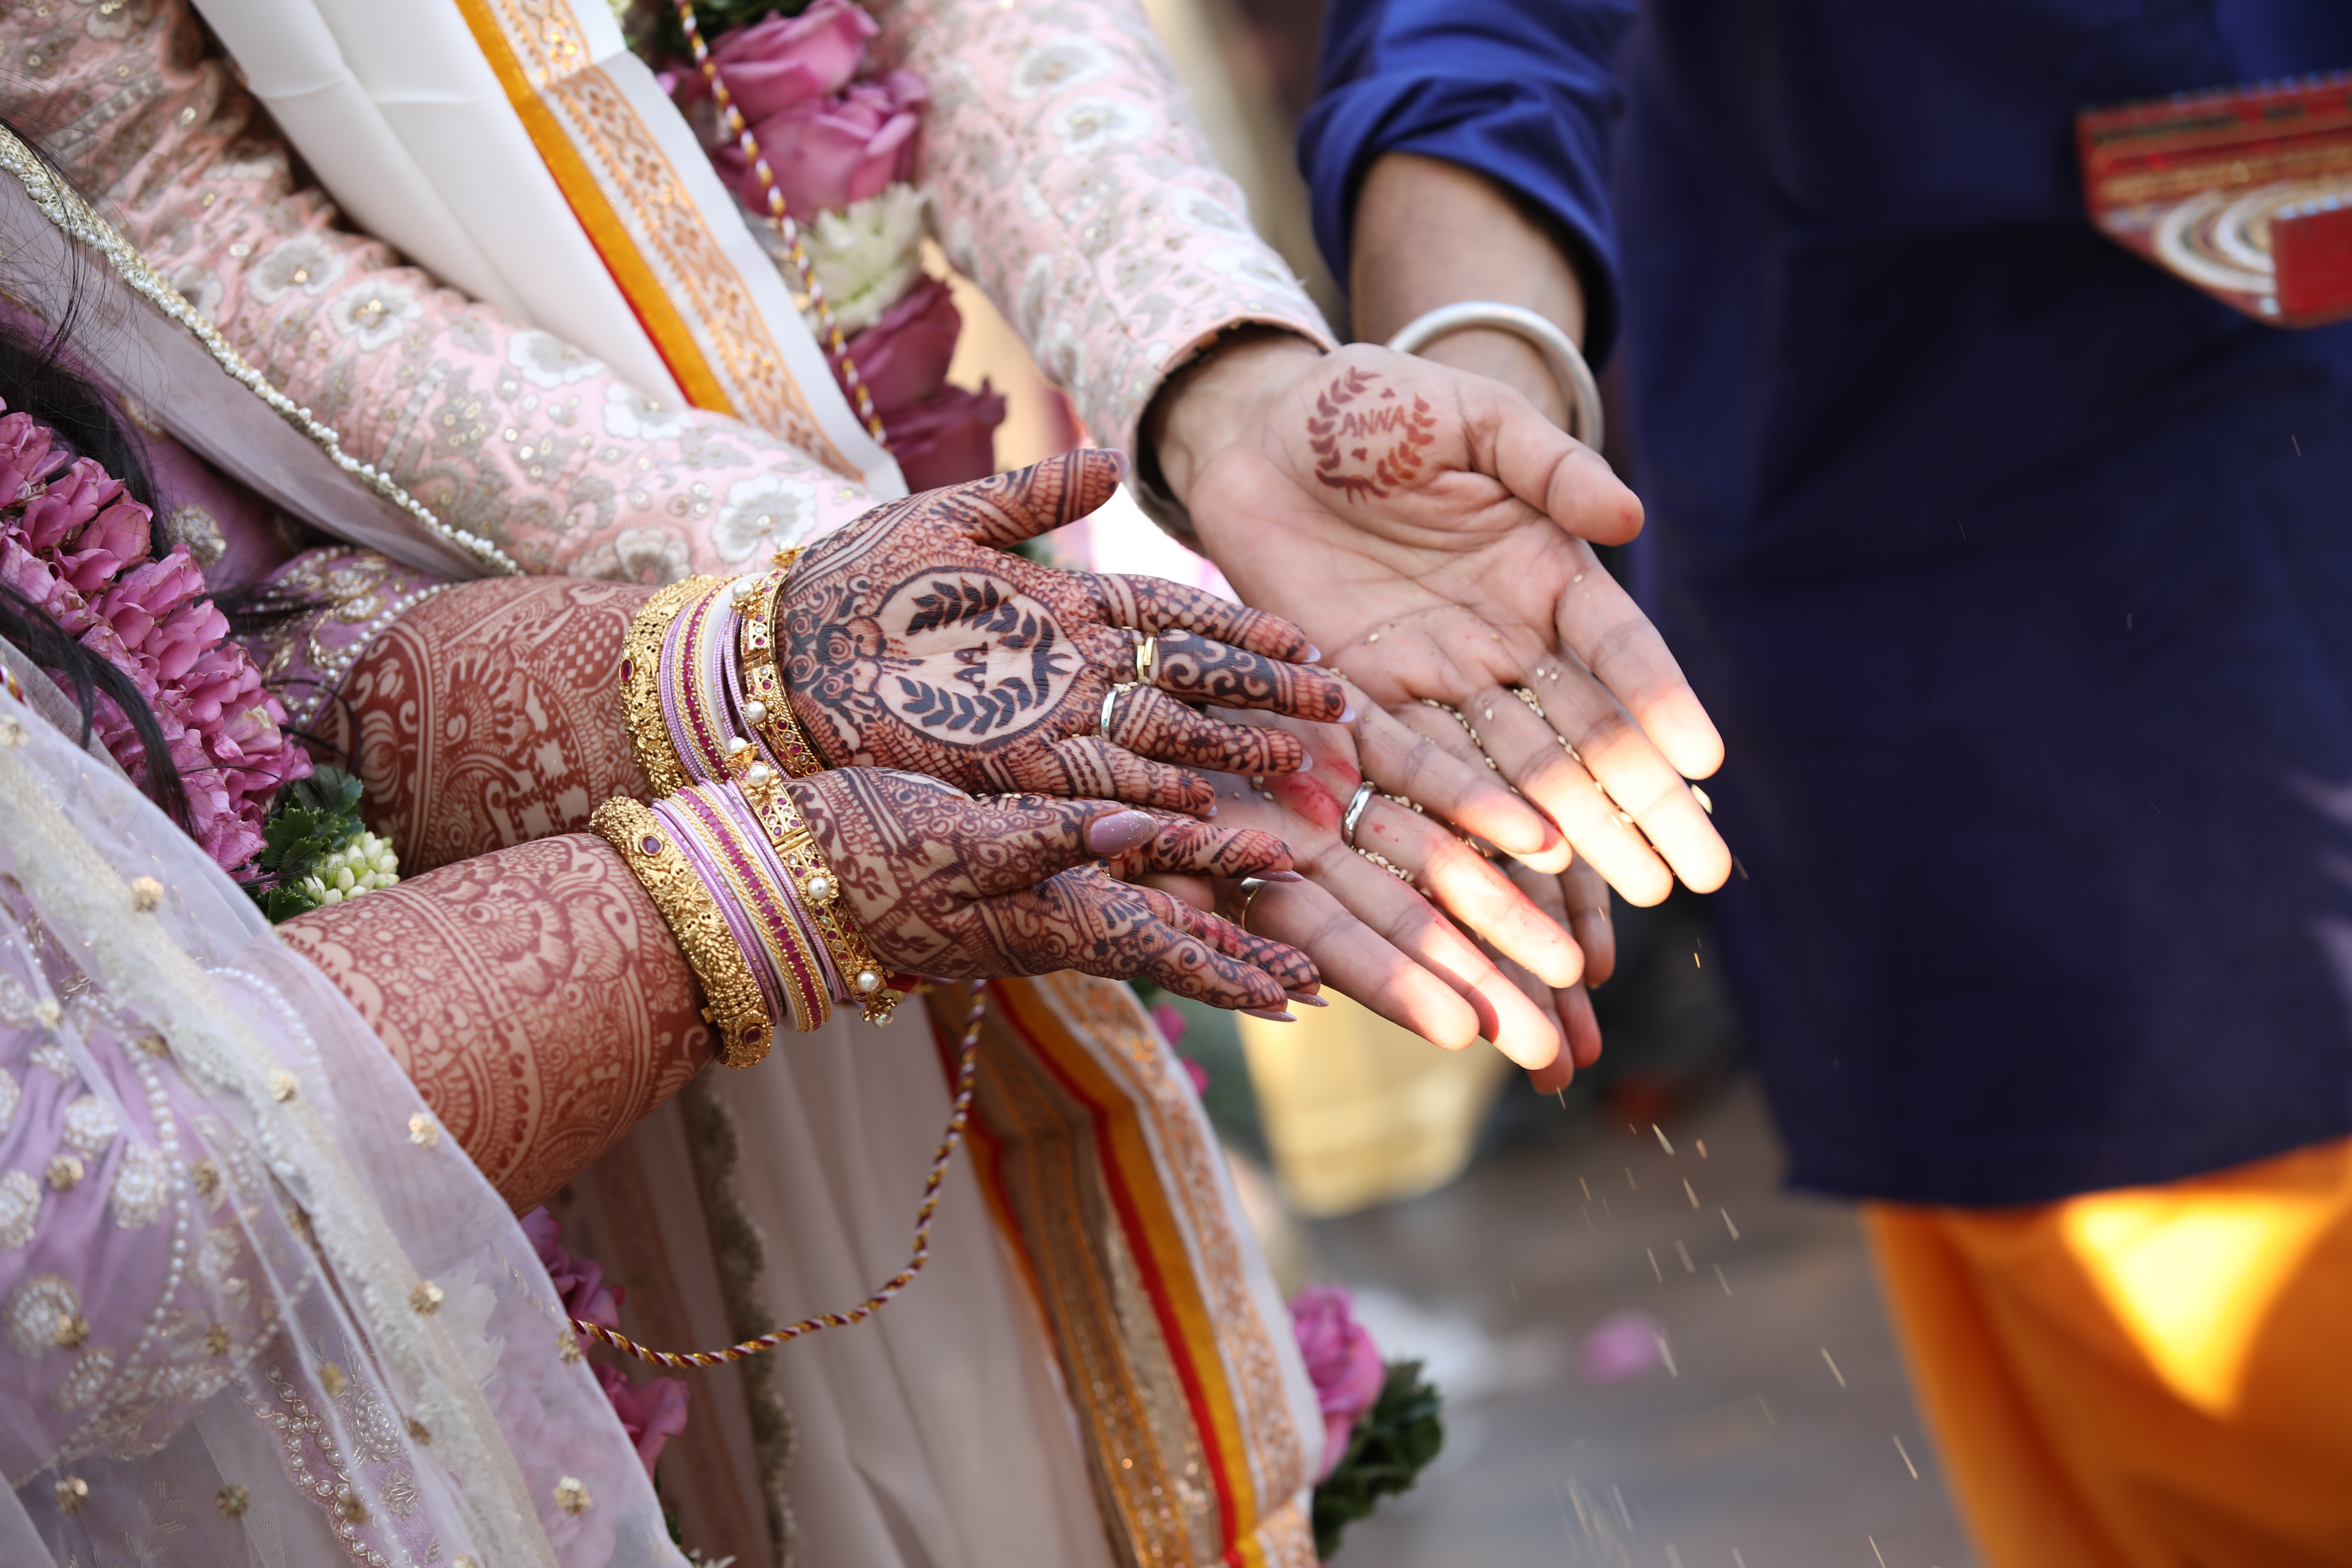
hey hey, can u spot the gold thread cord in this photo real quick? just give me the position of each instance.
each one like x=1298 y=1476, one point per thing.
x=828 y=330
x=967 y=1073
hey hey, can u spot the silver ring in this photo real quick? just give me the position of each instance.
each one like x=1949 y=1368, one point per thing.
x=1557 y=349
x=1357 y=803
x=1110 y=706
x=1250 y=888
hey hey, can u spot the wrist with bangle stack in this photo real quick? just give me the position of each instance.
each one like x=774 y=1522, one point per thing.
x=723 y=850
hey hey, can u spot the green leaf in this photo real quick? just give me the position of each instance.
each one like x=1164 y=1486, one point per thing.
x=314 y=817
x=1399 y=1435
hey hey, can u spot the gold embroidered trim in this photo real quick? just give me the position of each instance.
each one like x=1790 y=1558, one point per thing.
x=64 y=207
x=662 y=224
x=730 y=993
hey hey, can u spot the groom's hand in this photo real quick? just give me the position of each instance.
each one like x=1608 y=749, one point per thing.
x=1427 y=527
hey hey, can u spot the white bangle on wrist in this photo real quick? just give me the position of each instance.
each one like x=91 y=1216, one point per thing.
x=1558 y=350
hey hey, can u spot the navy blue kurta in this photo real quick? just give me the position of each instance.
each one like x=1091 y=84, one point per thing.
x=2017 y=572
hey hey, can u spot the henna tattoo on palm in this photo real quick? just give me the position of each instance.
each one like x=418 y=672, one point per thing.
x=1343 y=436
x=913 y=639
x=946 y=885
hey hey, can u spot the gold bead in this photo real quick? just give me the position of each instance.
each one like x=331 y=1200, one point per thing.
x=146 y=892
x=351 y=1511
x=217 y=1339
x=207 y=1177
x=420 y=1432
x=331 y=1379
x=571 y=1495
x=425 y=1299
x=71 y=1331
x=65 y=1171
x=567 y=1347
x=281 y=1085
x=72 y=1492
x=422 y=1131
x=232 y=1501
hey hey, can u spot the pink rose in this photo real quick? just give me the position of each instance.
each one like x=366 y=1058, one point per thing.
x=147 y=597
x=903 y=357
x=1341 y=1362
x=947 y=438
x=826 y=152
x=652 y=1412
x=771 y=65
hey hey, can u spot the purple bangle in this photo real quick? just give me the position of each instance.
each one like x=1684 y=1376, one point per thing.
x=690 y=844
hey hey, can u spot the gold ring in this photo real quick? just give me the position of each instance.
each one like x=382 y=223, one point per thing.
x=1147 y=658
x=1250 y=888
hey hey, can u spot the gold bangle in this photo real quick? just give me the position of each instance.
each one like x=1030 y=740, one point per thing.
x=731 y=1000
x=820 y=897
x=641 y=708
x=764 y=691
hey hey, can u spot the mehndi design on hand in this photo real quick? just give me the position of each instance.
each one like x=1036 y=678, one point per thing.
x=947 y=886
x=913 y=638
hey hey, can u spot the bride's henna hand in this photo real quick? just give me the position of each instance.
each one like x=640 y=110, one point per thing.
x=949 y=886
x=913 y=639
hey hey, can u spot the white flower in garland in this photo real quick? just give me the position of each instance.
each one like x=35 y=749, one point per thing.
x=361 y=866
x=867 y=258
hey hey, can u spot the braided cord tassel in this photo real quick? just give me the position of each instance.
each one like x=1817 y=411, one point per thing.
x=966 y=1072
x=786 y=230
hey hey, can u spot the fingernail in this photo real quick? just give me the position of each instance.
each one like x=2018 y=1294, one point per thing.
x=1280 y=877
x=1269 y=1015
x=1122 y=830
x=1348 y=714
x=1125 y=464
x=1311 y=1000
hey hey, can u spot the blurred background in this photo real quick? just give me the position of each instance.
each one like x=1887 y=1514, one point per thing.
x=1651 y=1355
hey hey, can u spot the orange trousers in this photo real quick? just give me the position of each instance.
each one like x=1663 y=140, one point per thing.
x=2153 y=1377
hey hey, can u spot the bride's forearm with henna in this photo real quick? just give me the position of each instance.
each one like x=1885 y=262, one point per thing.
x=533 y=996
x=488 y=716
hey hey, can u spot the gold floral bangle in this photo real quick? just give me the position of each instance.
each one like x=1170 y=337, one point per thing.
x=767 y=703
x=641 y=708
x=820 y=899
x=731 y=1000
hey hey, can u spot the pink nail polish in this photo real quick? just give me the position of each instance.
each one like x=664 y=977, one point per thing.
x=1312 y=656
x=1280 y=877
x=1309 y=998
x=1269 y=1015
x=1348 y=714
x=1122 y=830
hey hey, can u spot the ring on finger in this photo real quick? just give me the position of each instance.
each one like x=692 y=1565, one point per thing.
x=1250 y=888
x=1110 y=705
x=1147 y=657
x=1357 y=803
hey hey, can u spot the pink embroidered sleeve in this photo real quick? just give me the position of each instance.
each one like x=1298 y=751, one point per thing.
x=1072 y=181
x=502 y=428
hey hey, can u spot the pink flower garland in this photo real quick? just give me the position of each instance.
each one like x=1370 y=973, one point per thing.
x=73 y=541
